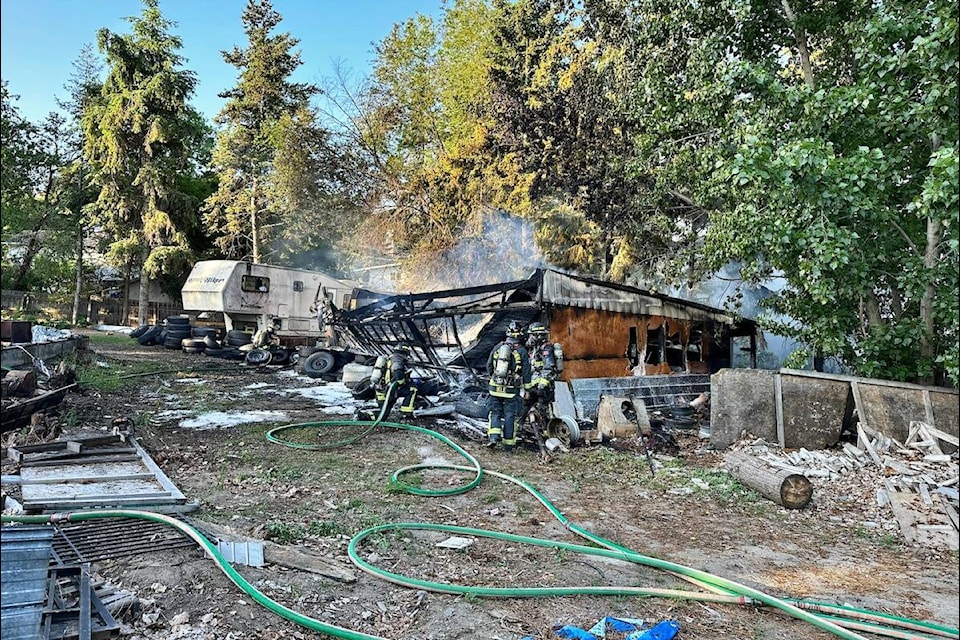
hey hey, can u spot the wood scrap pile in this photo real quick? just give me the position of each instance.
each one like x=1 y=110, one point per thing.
x=26 y=399
x=880 y=483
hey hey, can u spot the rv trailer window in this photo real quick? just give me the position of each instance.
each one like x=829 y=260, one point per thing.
x=255 y=284
x=298 y=285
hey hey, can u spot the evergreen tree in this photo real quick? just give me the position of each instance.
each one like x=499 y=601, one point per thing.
x=278 y=169
x=140 y=137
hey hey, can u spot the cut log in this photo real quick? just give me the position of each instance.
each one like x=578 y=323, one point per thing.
x=786 y=488
x=19 y=383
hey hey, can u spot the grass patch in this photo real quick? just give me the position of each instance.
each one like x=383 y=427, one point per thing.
x=285 y=532
x=106 y=339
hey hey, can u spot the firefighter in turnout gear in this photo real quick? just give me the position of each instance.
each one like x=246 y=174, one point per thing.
x=389 y=370
x=546 y=362
x=509 y=368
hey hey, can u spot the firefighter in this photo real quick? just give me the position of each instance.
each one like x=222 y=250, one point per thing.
x=509 y=369
x=389 y=370
x=546 y=362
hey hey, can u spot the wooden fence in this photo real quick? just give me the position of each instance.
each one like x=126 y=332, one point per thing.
x=107 y=311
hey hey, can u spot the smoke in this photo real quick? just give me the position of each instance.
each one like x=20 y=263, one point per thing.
x=727 y=290
x=503 y=250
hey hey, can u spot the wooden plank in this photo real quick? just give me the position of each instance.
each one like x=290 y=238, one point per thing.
x=86 y=479
x=928 y=407
x=283 y=555
x=67 y=505
x=865 y=440
x=778 y=403
x=920 y=526
x=162 y=478
x=871 y=381
x=942 y=435
x=127 y=457
x=950 y=510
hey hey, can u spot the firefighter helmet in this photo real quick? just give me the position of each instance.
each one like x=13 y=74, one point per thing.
x=537 y=329
x=514 y=329
x=403 y=349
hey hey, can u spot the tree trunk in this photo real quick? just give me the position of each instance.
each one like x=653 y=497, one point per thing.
x=33 y=248
x=78 y=266
x=930 y=256
x=802 y=46
x=254 y=223
x=927 y=347
x=126 y=292
x=144 y=298
x=790 y=490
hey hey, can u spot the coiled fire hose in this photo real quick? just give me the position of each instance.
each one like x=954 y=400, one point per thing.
x=842 y=621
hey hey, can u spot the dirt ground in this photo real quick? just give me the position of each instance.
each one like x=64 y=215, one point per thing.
x=689 y=512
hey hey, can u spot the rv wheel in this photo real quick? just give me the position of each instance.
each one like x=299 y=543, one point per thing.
x=318 y=364
x=565 y=429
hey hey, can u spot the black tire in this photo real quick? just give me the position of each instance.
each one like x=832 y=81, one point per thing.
x=318 y=364
x=211 y=343
x=203 y=332
x=194 y=349
x=172 y=343
x=473 y=408
x=178 y=333
x=148 y=336
x=280 y=356
x=215 y=353
x=238 y=338
x=258 y=357
x=177 y=320
x=139 y=331
x=192 y=343
x=364 y=390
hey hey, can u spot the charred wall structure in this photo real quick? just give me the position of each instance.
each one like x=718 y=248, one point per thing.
x=606 y=329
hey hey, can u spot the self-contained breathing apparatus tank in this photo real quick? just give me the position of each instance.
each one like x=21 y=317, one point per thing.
x=558 y=356
x=504 y=359
x=378 y=369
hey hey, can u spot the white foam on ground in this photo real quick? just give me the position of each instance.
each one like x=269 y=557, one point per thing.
x=222 y=419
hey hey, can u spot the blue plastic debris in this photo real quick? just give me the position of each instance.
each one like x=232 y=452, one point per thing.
x=620 y=625
x=574 y=633
x=665 y=630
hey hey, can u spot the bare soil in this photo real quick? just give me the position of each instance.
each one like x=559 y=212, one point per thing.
x=832 y=551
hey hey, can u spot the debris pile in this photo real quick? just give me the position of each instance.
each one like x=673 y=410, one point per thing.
x=909 y=487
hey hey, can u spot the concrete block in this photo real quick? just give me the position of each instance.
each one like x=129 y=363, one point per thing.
x=813 y=411
x=742 y=400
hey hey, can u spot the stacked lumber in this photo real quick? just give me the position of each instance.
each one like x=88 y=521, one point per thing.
x=912 y=485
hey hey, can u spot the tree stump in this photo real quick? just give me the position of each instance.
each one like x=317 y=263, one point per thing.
x=788 y=489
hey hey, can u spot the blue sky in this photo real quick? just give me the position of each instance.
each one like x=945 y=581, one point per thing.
x=41 y=39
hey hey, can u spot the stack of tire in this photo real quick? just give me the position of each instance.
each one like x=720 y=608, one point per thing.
x=175 y=330
x=200 y=338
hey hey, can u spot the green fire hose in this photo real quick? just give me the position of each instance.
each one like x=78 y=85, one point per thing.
x=843 y=622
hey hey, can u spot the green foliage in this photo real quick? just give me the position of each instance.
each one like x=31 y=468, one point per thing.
x=281 y=177
x=285 y=532
x=849 y=193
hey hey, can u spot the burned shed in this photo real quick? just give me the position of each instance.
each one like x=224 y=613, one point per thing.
x=606 y=329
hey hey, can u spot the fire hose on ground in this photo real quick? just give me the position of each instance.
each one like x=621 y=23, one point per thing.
x=842 y=621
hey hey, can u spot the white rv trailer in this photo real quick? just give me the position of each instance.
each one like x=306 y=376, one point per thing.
x=253 y=296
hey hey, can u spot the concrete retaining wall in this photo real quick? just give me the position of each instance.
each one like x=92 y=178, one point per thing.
x=815 y=406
